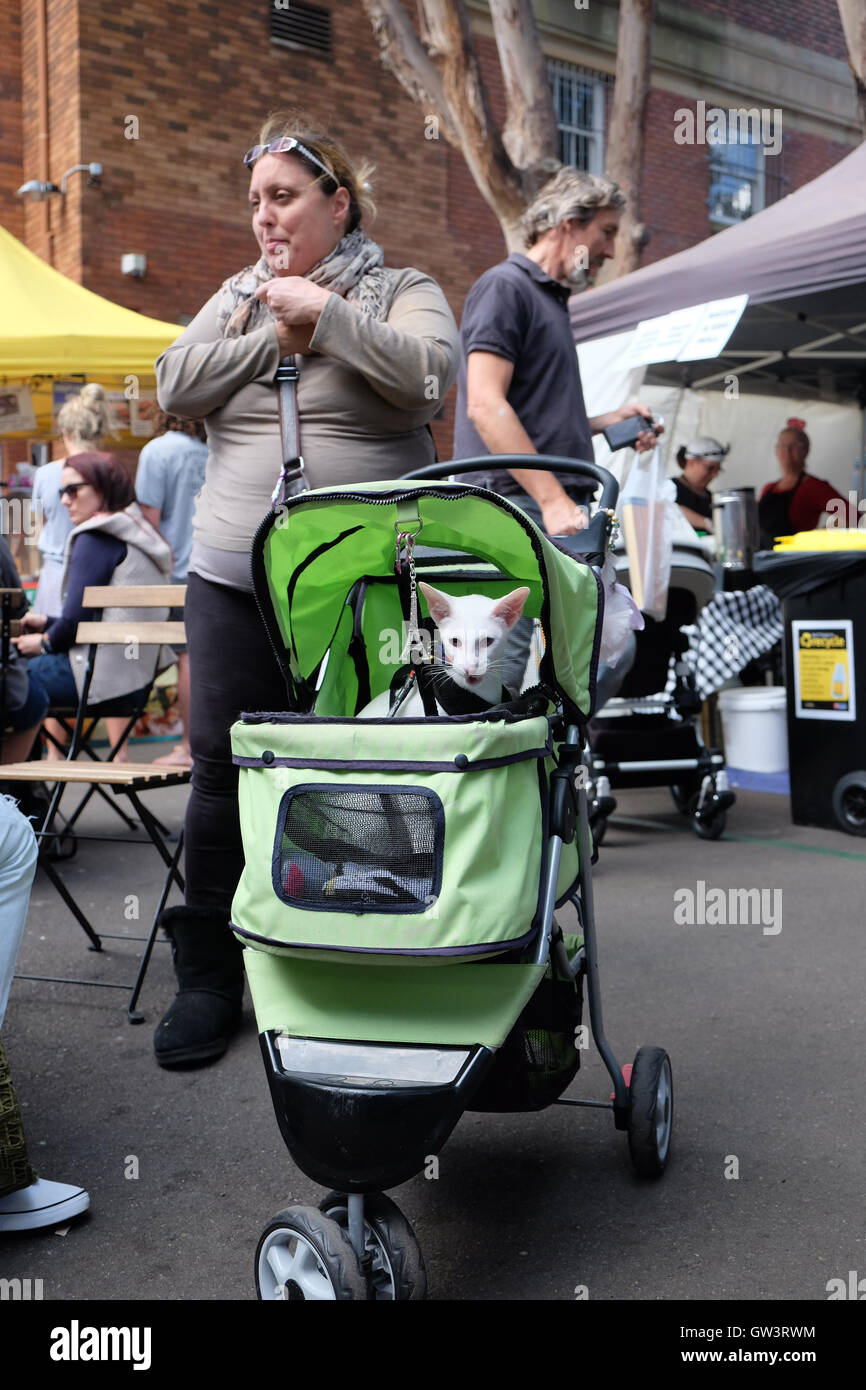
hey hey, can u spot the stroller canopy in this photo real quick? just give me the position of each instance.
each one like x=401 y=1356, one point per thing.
x=311 y=551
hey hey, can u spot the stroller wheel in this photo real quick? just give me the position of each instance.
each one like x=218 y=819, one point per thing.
x=710 y=827
x=651 y=1111
x=302 y=1255
x=684 y=795
x=397 y=1270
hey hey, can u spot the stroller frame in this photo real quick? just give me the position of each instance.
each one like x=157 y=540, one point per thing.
x=358 y=1245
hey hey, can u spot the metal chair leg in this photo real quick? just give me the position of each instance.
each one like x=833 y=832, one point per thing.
x=132 y=1013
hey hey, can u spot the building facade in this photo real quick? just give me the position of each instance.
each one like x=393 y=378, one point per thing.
x=167 y=96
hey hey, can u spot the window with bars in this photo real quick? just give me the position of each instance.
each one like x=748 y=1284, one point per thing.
x=744 y=179
x=580 y=98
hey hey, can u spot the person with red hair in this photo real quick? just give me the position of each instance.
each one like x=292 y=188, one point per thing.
x=110 y=544
x=798 y=500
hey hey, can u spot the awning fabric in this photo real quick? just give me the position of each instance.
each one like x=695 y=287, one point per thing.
x=52 y=327
x=801 y=261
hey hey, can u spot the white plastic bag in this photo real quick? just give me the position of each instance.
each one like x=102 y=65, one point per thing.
x=647 y=508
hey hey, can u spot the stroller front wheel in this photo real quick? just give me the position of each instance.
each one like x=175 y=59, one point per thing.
x=650 y=1111
x=397 y=1265
x=303 y=1255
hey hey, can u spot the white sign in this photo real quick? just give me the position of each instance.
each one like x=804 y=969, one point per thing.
x=720 y=318
x=686 y=335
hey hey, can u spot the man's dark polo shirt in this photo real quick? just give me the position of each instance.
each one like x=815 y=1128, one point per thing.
x=518 y=312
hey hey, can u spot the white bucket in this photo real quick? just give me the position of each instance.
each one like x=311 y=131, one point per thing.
x=755 y=727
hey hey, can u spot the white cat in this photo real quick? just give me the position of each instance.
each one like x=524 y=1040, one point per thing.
x=473 y=631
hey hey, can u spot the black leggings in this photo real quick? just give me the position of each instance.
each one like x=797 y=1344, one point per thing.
x=232 y=668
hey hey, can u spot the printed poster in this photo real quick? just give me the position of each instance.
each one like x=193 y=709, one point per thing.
x=16 y=409
x=824 y=669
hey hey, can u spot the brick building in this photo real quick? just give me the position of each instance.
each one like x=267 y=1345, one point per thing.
x=166 y=96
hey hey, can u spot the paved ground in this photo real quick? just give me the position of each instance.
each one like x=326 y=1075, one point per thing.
x=764 y=1029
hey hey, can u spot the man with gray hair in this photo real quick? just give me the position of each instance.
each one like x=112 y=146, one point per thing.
x=519 y=389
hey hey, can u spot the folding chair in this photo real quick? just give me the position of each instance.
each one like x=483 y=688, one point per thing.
x=124 y=779
x=83 y=723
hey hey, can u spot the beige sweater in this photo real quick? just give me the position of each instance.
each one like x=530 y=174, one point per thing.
x=364 y=399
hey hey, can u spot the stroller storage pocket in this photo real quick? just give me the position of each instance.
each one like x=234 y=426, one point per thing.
x=415 y=838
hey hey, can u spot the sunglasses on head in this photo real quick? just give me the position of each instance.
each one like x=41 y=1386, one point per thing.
x=285 y=144
x=71 y=489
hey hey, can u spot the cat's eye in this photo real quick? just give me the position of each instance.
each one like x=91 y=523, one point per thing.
x=455 y=641
x=488 y=641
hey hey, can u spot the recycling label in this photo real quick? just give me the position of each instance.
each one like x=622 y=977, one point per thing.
x=824 y=669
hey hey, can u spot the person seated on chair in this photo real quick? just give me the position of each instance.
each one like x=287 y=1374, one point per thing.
x=27 y=1202
x=110 y=543
x=23 y=700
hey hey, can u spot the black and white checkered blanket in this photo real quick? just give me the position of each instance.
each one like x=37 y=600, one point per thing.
x=732 y=630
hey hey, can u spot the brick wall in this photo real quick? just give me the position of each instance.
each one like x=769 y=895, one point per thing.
x=813 y=23
x=11 y=118
x=198 y=79
x=53 y=229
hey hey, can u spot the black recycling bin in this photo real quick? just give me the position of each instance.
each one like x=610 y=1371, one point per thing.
x=823 y=597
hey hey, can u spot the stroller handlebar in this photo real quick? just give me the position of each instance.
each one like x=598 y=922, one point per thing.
x=547 y=463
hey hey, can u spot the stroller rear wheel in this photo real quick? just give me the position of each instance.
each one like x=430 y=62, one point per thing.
x=650 y=1111
x=397 y=1269
x=684 y=794
x=303 y=1255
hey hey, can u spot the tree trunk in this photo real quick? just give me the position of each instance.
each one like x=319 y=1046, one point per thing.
x=441 y=69
x=530 y=134
x=853 y=16
x=625 y=144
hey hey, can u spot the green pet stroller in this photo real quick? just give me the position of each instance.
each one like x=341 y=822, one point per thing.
x=401 y=874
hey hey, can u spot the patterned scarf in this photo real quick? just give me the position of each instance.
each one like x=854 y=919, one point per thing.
x=354 y=269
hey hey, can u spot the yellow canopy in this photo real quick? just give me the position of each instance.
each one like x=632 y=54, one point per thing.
x=52 y=327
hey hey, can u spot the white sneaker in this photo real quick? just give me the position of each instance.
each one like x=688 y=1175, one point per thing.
x=41 y=1204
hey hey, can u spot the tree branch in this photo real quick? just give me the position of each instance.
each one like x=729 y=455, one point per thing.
x=530 y=134
x=449 y=37
x=404 y=56
x=626 y=137
x=853 y=16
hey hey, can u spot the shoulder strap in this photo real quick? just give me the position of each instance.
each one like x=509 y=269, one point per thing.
x=292 y=470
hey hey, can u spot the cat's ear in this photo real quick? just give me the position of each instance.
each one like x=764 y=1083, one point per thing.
x=438 y=604
x=510 y=607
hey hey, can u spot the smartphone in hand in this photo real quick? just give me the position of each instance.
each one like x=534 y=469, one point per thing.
x=625 y=432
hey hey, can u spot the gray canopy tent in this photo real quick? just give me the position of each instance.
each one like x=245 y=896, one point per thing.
x=802 y=263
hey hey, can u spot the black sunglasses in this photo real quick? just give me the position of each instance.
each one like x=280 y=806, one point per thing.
x=72 y=489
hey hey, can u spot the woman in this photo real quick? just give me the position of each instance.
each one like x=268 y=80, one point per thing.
x=169 y=477
x=797 y=501
x=83 y=422
x=110 y=544
x=700 y=462
x=377 y=352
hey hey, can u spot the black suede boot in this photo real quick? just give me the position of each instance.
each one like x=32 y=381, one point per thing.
x=207 y=1008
